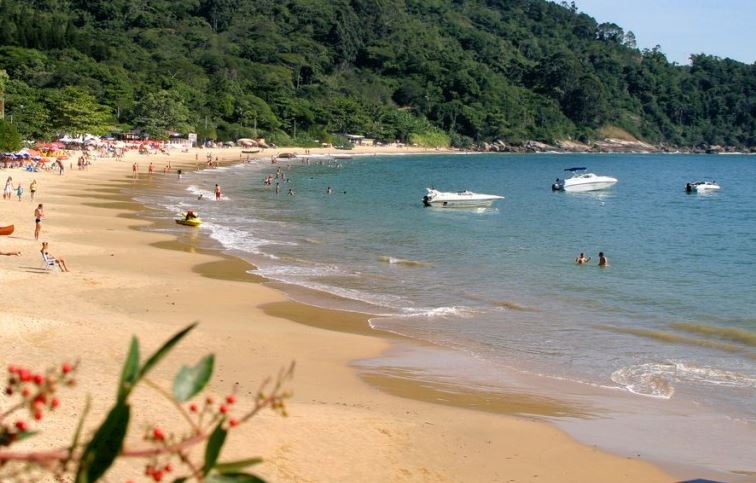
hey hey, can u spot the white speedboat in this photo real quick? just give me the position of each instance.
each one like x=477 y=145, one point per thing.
x=581 y=181
x=458 y=199
x=701 y=186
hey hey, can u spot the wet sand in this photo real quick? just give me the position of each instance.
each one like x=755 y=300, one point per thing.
x=128 y=280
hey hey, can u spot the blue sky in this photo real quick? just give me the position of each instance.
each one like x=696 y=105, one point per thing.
x=725 y=28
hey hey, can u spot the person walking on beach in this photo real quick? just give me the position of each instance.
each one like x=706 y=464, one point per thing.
x=603 y=262
x=19 y=191
x=179 y=172
x=8 y=191
x=278 y=188
x=582 y=259
x=217 y=192
x=33 y=188
x=151 y=168
x=59 y=261
x=134 y=169
x=39 y=213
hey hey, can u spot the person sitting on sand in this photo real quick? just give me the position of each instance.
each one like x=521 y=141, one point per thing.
x=603 y=262
x=581 y=259
x=59 y=261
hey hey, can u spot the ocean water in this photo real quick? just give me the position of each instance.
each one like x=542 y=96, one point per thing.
x=673 y=317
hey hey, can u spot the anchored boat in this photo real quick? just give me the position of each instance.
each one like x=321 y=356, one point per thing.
x=458 y=199
x=701 y=186
x=581 y=181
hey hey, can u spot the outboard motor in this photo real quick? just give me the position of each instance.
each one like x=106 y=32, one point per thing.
x=557 y=186
x=688 y=188
x=426 y=200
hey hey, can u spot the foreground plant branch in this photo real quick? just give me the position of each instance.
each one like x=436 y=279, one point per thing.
x=208 y=421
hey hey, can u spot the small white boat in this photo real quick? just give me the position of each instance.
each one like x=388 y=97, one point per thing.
x=580 y=181
x=458 y=199
x=701 y=186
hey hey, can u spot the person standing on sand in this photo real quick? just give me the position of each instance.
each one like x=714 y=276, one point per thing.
x=8 y=191
x=33 y=188
x=39 y=213
x=217 y=192
x=19 y=191
x=134 y=169
x=603 y=262
x=151 y=168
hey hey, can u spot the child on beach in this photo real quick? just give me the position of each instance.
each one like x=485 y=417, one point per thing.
x=217 y=192
x=19 y=191
x=33 y=188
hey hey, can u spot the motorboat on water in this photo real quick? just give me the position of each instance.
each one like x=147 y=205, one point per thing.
x=701 y=186
x=581 y=181
x=190 y=218
x=458 y=199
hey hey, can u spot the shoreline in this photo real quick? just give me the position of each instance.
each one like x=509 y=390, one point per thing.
x=175 y=271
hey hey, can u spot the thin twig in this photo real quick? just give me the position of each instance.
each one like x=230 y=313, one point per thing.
x=173 y=401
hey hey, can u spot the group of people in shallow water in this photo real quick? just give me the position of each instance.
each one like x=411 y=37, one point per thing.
x=582 y=259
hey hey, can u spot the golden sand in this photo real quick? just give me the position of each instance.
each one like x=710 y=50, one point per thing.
x=128 y=281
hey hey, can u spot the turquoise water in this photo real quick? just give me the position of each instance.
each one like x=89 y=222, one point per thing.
x=672 y=317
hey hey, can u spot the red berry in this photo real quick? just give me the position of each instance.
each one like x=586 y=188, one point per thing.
x=158 y=434
x=12 y=369
x=9 y=391
x=25 y=392
x=157 y=475
x=55 y=402
x=38 y=415
x=66 y=368
x=193 y=407
x=233 y=422
x=38 y=379
x=223 y=409
x=21 y=425
x=230 y=399
x=168 y=468
x=24 y=375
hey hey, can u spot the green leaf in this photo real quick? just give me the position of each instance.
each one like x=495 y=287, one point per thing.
x=163 y=351
x=24 y=435
x=105 y=445
x=234 y=478
x=234 y=466
x=191 y=380
x=180 y=480
x=213 y=449
x=130 y=373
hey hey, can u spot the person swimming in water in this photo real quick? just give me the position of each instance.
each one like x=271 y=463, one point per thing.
x=603 y=262
x=582 y=259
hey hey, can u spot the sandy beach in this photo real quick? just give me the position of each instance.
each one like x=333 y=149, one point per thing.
x=126 y=280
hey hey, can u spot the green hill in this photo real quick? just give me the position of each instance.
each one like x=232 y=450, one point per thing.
x=295 y=70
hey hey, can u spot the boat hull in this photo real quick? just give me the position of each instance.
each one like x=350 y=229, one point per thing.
x=195 y=222
x=7 y=230
x=592 y=186
x=461 y=203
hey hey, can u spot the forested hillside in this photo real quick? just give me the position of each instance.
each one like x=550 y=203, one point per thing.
x=296 y=70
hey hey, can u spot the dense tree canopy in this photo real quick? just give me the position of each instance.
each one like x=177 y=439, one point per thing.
x=295 y=70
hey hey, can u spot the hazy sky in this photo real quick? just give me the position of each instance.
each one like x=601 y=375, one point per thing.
x=725 y=28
